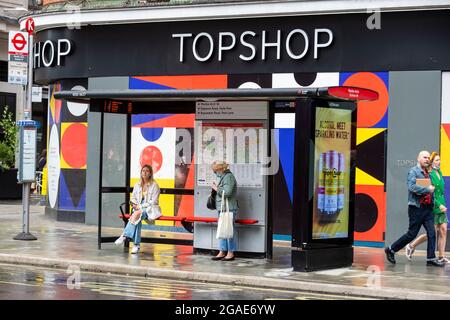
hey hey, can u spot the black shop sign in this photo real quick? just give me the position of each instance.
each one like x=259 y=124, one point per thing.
x=328 y=43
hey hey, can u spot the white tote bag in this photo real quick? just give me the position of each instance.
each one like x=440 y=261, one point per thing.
x=225 y=222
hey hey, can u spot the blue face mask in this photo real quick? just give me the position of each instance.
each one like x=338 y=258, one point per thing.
x=217 y=175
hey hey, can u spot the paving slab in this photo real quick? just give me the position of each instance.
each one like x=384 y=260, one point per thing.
x=64 y=245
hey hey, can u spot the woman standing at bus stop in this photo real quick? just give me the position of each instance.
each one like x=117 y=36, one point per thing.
x=227 y=187
x=144 y=199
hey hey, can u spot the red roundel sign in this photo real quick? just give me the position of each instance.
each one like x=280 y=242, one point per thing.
x=29 y=25
x=19 y=42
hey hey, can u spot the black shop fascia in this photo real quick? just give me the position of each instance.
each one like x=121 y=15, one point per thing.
x=329 y=43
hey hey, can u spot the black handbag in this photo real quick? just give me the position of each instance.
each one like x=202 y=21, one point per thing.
x=211 y=202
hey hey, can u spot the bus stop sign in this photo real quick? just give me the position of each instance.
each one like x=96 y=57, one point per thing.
x=29 y=25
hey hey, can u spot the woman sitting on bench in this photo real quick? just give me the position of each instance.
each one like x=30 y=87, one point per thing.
x=144 y=199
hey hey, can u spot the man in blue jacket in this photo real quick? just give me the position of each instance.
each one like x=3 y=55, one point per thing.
x=420 y=212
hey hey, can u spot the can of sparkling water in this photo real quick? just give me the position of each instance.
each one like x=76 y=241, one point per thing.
x=331 y=187
x=341 y=177
x=321 y=184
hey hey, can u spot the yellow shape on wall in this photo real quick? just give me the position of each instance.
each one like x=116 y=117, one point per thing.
x=363 y=178
x=445 y=152
x=64 y=126
x=364 y=134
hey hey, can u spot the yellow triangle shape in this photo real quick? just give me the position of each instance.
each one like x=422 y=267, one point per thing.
x=363 y=178
x=363 y=134
x=445 y=153
x=52 y=107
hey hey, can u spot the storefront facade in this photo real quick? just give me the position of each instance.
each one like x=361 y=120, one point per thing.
x=406 y=60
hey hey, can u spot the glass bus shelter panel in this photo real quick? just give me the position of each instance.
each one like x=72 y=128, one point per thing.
x=166 y=142
x=114 y=150
x=110 y=214
x=239 y=138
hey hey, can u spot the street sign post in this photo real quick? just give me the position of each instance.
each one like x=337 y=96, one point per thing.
x=27 y=151
x=27 y=167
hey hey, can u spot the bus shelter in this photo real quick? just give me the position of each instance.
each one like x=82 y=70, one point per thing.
x=236 y=125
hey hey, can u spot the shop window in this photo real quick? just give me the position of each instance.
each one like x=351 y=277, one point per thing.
x=4 y=71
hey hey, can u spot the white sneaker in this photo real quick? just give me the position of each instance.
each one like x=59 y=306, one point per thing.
x=135 y=249
x=443 y=260
x=119 y=240
x=409 y=252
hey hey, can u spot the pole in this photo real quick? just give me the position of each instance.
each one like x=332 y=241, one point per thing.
x=27 y=114
x=100 y=183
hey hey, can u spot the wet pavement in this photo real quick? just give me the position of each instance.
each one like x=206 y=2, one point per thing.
x=32 y=283
x=370 y=274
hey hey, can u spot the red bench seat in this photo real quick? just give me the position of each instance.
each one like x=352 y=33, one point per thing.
x=193 y=219
x=206 y=219
x=162 y=218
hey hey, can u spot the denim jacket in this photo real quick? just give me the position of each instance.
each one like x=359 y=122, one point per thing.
x=415 y=192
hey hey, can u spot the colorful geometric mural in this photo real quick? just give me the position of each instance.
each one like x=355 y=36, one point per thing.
x=67 y=150
x=179 y=82
x=372 y=114
x=445 y=135
x=371 y=139
x=371 y=136
x=53 y=147
x=283 y=182
x=155 y=140
x=73 y=145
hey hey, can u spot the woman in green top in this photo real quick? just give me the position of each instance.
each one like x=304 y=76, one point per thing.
x=227 y=187
x=439 y=210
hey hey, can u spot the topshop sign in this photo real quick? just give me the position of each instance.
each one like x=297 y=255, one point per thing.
x=205 y=46
x=51 y=53
x=251 y=45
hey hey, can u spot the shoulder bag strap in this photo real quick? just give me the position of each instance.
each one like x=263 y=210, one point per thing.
x=221 y=181
x=221 y=203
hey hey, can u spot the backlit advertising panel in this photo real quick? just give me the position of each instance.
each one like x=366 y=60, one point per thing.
x=332 y=153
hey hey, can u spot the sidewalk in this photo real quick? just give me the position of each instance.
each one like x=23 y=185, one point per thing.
x=62 y=244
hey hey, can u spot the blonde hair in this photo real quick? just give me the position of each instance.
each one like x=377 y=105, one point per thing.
x=434 y=154
x=219 y=165
x=150 y=180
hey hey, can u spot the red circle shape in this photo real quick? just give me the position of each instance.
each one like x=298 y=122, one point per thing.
x=74 y=145
x=151 y=155
x=29 y=25
x=370 y=112
x=19 y=41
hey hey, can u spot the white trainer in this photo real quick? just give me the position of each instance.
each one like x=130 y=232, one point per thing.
x=135 y=249
x=119 y=240
x=409 y=252
x=443 y=260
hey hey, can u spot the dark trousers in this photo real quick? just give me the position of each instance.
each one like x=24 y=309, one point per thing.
x=417 y=218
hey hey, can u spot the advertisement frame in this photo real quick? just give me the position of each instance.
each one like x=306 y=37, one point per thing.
x=303 y=206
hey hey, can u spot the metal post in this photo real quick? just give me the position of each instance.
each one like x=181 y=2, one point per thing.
x=27 y=114
x=100 y=184
x=127 y=174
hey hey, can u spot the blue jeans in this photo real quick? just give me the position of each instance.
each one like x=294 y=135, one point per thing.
x=417 y=218
x=229 y=244
x=134 y=231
